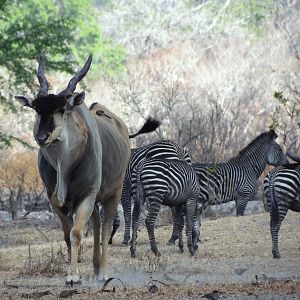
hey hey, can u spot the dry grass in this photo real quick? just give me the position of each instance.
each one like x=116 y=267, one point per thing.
x=234 y=258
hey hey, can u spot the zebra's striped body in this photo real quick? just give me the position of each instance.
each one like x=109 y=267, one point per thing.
x=237 y=178
x=159 y=150
x=164 y=182
x=281 y=188
x=210 y=183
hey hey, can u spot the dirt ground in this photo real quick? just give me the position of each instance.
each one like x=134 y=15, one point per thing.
x=234 y=261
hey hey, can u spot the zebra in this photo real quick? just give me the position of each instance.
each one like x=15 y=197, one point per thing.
x=210 y=182
x=282 y=190
x=237 y=178
x=161 y=150
x=164 y=182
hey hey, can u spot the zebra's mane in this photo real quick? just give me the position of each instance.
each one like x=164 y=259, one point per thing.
x=250 y=148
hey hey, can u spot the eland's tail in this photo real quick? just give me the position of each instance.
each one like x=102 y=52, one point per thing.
x=150 y=125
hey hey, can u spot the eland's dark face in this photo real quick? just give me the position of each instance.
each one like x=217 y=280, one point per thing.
x=50 y=110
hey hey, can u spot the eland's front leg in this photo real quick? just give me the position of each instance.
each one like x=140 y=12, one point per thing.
x=96 y=233
x=81 y=217
x=67 y=224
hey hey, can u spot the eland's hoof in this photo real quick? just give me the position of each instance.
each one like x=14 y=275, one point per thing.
x=101 y=277
x=73 y=279
x=72 y=283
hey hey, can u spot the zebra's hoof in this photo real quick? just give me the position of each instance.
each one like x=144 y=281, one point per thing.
x=125 y=242
x=156 y=253
x=192 y=250
x=276 y=254
x=110 y=242
x=181 y=249
x=196 y=247
x=170 y=242
x=133 y=255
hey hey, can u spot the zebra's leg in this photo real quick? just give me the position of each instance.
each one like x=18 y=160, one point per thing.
x=196 y=229
x=275 y=226
x=274 y=233
x=126 y=204
x=180 y=224
x=200 y=208
x=135 y=225
x=295 y=206
x=241 y=201
x=116 y=225
x=154 y=207
x=174 y=235
x=190 y=211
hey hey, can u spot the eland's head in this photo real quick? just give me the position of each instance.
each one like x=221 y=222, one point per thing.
x=52 y=110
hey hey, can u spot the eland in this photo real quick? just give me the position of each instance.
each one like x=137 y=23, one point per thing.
x=82 y=159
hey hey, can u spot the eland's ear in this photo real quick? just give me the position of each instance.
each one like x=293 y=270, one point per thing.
x=77 y=99
x=25 y=101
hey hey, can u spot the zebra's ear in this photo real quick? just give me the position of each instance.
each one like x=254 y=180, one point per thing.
x=273 y=134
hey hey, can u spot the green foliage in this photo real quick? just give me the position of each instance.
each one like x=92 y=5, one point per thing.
x=65 y=30
x=286 y=113
x=281 y=99
x=6 y=141
x=212 y=169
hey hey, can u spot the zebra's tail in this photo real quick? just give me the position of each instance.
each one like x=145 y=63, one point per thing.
x=272 y=196
x=139 y=191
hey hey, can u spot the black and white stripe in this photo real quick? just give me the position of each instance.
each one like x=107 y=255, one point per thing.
x=281 y=189
x=237 y=178
x=159 y=150
x=164 y=182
